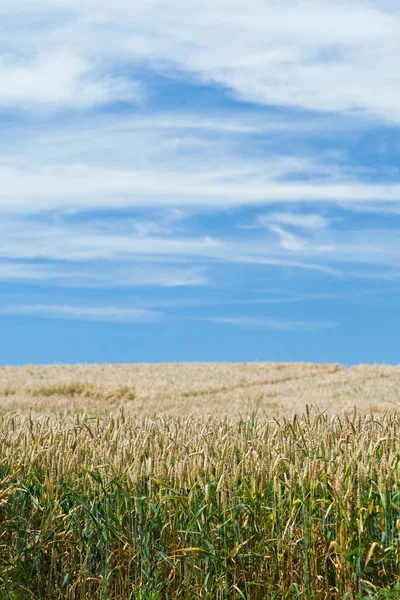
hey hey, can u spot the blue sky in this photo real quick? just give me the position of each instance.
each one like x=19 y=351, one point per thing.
x=199 y=181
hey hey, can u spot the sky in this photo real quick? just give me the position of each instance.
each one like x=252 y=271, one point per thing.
x=199 y=181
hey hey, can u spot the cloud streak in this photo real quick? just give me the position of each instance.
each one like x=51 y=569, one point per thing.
x=29 y=190
x=116 y=255
x=114 y=314
x=306 y=221
x=281 y=324
x=107 y=164
x=102 y=276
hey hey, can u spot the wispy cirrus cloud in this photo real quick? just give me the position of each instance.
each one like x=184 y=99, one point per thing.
x=284 y=53
x=89 y=188
x=109 y=164
x=117 y=274
x=289 y=241
x=273 y=323
x=115 y=314
x=307 y=221
x=116 y=255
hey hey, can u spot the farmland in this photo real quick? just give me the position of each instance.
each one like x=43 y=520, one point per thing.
x=199 y=481
x=226 y=390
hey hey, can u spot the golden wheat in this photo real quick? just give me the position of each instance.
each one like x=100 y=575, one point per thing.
x=230 y=390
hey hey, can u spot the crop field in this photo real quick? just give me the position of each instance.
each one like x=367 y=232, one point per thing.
x=156 y=482
x=226 y=390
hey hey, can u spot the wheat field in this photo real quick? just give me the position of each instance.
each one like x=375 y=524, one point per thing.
x=201 y=481
x=227 y=390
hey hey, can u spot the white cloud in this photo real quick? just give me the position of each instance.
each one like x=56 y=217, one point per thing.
x=382 y=209
x=33 y=189
x=87 y=242
x=115 y=314
x=107 y=163
x=105 y=276
x=59 y=80
x=306 y=221
x=289 y=241
x=321 y=55
x=330 y=250
x=273 y=323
